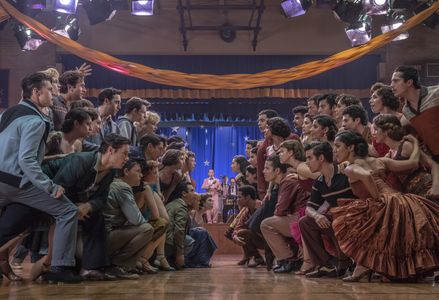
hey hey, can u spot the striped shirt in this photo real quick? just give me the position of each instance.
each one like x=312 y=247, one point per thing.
x=321 y=192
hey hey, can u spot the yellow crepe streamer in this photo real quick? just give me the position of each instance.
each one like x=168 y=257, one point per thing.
x=208 y=81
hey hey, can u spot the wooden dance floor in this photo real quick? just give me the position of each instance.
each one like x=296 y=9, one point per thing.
x=224 y=280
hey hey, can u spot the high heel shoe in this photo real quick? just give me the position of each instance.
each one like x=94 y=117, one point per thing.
x=352 y=278
x=164 y=265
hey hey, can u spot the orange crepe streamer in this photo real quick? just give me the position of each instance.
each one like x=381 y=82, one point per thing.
x=210 y=81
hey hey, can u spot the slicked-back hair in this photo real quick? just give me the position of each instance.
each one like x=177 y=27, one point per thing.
x=409 y=72
x=33 y=81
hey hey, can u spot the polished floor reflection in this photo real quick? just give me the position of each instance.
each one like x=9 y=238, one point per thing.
x=224 y=280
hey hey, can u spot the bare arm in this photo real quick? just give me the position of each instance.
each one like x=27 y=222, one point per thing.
x=404 y=165
x=304 y=172
x=151 y=203
x=358 y=173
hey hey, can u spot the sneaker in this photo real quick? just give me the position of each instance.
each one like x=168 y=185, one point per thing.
x=92 y=275
x=323 y=271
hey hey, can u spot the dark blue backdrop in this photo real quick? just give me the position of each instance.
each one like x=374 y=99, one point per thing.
x=214 y=147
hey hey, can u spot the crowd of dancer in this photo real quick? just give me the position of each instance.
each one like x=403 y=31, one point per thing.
x=95 y=198
x=343 y=197
x=91 y=197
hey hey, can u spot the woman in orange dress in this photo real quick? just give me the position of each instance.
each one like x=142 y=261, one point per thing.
x=385 y=231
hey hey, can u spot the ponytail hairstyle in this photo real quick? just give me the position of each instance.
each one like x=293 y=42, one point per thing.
x=76 y=114
x=327 y=122
x=391 y=125
x=349 y=138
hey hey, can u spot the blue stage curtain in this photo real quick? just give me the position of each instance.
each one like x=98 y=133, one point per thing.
x=214 y=147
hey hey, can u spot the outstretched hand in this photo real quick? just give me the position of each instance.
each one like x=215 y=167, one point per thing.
x=85 y=69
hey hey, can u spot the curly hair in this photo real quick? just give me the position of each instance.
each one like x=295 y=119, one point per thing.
x=391 y=125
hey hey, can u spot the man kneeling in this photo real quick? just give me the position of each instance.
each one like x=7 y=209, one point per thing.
x=127 y=231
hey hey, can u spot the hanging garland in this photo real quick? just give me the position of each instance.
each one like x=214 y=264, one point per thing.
x=209 y=81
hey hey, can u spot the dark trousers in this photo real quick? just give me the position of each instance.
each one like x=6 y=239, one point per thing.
x=94 y=239
x=253 y=242
x=312 y=237
x=16 y=218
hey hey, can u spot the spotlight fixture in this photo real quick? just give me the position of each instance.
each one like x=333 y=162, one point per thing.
x=432 y=20
x=98 y=10
x=67 y=26
x=395 y=19
x=295 y=8
x=348 y=11
x=359 y=32
x=375 y=7
x=66 y=6
x=26 y=38
x=227 y=33
x=142 y=7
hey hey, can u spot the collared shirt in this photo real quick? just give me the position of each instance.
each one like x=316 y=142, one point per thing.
x=292 y=197
x=428 y=98
x=339 y=188
x=59 y=110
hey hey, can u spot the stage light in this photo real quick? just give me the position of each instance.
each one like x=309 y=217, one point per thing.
x=26 y=38
x=295 y=8
x=359 y=32
x=432 y=20
x=348 y=11
x=394 y=20
x=98 y=10
x=142 y=7
x=375 y=7
x=67 y=26
x=66 y=6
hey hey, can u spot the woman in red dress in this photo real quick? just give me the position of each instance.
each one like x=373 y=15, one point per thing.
x=385 y=231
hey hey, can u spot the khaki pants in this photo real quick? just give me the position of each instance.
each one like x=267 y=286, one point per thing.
x=276 y=231
x=126 y=244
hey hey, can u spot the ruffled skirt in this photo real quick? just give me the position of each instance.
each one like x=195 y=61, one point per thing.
x=396 y=235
